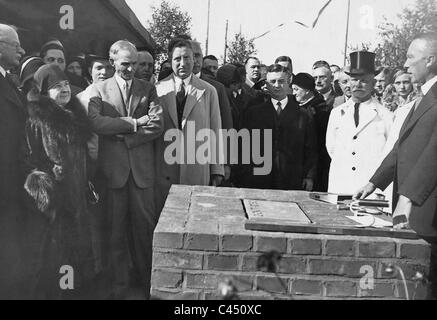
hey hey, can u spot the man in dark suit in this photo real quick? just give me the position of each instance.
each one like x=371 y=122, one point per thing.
x=412 y=164
x=294 y=145
x=323 y=76
x=126 y=114
x=12 y=120
x=225 y=108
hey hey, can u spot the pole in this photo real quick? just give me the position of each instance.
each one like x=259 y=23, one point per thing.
x=347 y=31
x=207 y=29
x=226 y=42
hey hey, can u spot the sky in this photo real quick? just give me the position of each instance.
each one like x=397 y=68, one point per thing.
x=304 y=45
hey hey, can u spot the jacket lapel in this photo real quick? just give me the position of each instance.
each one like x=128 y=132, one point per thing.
x=427 y=103
x=9 y=92
x=116 y=97
x=367 y=117
x=194 y=95
x=169 y=99
x=135 y=98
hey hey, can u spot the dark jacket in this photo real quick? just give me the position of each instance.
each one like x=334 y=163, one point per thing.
x=57 y=136
x=412 y=166
x=320 y=111
x=294 y=146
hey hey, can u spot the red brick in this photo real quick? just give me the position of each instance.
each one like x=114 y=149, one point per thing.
x=170 y=240
x=272 y=284
x=344 y=267
x=166 y=279
x=255 y=296
x=409 y=269
x=163 y=294
x=221 y=262
x=400 y=290
x=380 y=289
x=266 y=244
x=415 y=252
x=341 y=289
x=249 y=262
x=292 y=265
x=202 y=280
x=234 y=238
x=306 y=287
x=198 y=241
x=421 y=291
x=306 y=246
x=177 y=259
x=377 y=249
x=342 y=248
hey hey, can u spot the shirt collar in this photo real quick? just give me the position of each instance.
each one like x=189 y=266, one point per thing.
x=249 y=82
x=178 y=81
x=305 y=102
x=121 y=81
x=3 y=71
x=283 y=102
x=327 y=94
x=199 y=74
x=428 y=85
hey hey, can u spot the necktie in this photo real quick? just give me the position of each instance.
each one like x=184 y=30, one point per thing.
x=279 y=110
x=126 y=95
x=357 y=114
x=180 y=99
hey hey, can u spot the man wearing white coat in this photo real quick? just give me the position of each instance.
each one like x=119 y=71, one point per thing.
x=357 y=130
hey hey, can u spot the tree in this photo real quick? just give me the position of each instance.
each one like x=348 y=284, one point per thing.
x=168 y=21
x=421 y=18
x=240 y=49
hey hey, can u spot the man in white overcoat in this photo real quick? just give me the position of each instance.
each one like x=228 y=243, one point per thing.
x=191 y=107
x=357 y=130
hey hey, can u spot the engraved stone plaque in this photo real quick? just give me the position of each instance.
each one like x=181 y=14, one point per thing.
x=288 y=212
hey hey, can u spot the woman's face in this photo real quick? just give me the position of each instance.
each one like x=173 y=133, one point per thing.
x=61 y=93
x=403 y=85
x=75 y=68
x=300 y=94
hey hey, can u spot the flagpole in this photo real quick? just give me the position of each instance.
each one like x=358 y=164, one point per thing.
x=207 y=29
x=226 y=42
x=347 y=31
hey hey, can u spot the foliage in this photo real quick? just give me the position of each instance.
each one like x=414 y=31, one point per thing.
x=168 y=21
x=240 y=49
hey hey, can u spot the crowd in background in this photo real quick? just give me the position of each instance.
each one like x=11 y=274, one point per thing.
x=84 y=136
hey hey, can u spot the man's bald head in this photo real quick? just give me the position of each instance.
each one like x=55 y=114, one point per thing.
x=10 y=47
x=422 y=57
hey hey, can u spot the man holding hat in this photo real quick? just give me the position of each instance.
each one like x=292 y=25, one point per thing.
x=308 y=98
x=357 y=130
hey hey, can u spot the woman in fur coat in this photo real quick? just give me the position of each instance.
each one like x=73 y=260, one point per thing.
x=56 y=156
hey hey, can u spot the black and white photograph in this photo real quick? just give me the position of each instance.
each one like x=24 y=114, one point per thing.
x=240 y=151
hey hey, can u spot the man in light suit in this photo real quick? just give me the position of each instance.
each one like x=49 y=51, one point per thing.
x=126 y=114
x=12 y=120
x=187 y=101
x=412 y=164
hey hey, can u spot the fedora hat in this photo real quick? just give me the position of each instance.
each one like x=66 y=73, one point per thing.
x=361 y=63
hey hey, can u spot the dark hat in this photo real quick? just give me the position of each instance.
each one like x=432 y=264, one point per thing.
x=228 y=74
x=28 y=67
x=91 y=58
x=48 y=76
x=361 y=63
x=80 y=59
x=305 y=81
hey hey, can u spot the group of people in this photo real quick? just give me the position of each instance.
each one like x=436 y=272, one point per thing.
x=85 y=169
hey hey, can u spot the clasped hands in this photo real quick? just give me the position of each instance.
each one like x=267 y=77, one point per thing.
x=401 y=216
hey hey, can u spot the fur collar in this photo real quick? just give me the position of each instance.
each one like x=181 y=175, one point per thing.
x=70 y=122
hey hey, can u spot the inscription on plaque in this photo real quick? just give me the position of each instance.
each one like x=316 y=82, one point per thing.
x=272 y=210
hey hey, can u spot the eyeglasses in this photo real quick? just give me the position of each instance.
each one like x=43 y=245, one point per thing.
x=15 y=44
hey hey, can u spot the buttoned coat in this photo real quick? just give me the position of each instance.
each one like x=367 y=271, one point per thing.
x=356 y=151
x=412 y=166
x=201 y=110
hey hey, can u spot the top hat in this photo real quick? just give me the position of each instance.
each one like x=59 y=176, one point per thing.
x=362 y=62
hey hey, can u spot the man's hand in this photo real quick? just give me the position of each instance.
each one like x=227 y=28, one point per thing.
x=143 y=121
x=403 y=208
x=58 y=171
x=364 y=192
x=227 y=173
x=216 y=180
x=308 y=184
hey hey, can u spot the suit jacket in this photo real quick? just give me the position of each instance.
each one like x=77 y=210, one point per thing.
x=121 y=149
x=331 y=99
x=294 y=141
x=12 y=122
x=202 y=110
x=412 y=166
x=225 y=108
x=338 y=101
